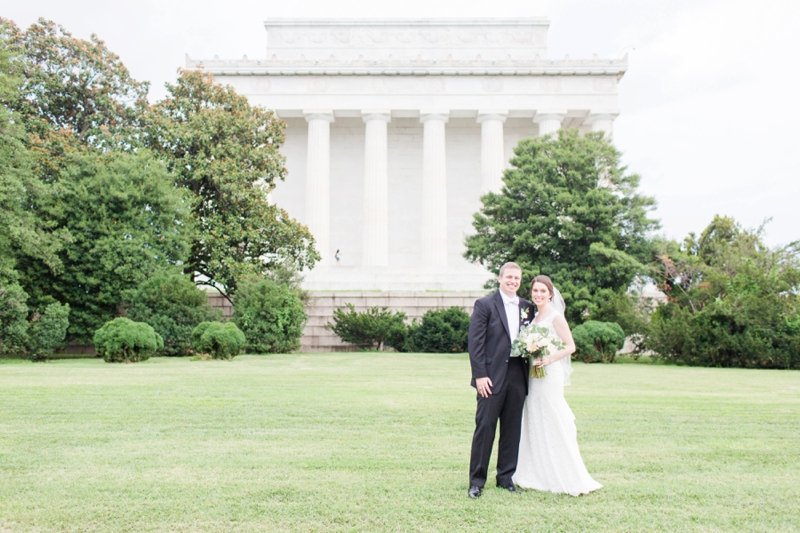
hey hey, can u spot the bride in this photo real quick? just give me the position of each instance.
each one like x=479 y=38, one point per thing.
x=549 y=458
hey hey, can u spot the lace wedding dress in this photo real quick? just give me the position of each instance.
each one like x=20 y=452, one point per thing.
x=549 y=458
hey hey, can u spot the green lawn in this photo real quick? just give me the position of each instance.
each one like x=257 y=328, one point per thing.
x=380 y=442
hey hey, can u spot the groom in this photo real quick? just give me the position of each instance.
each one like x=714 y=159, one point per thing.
x=501 y=380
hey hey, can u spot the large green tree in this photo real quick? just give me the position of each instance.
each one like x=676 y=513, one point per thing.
x=23 y=232
x=732 y=300
x=568 y=209
x=225 y=152
x=127 y=221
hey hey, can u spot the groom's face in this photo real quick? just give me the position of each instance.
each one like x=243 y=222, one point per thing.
x=510 y=280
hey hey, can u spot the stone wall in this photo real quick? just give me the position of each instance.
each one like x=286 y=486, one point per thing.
x=317 y=338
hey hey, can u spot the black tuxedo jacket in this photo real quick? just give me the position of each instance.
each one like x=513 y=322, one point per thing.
x=489 y=341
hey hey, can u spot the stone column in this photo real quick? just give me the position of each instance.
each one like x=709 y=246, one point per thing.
x=318 y=180
x=434 y=189
x=375 y=247
x=549 y=121
x=493 y=161
x=602 y=122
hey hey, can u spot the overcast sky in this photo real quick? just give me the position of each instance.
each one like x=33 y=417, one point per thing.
x=710 y=111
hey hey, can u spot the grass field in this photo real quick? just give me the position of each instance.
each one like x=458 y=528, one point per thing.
x=380 y=442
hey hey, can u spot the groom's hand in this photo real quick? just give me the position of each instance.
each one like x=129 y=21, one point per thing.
x=484 y=386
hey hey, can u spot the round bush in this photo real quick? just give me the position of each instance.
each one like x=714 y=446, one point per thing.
x=124 y=341
x=173 y=305
x=598 y=342
x=440 y=331
x=48 y=331
x=271 y=316
x=221 y=340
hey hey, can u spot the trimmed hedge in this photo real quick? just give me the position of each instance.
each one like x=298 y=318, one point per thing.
x=221 y=340
x=124 y=341
x=598 y=342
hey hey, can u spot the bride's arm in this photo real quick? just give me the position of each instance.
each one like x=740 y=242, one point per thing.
x=563 y=332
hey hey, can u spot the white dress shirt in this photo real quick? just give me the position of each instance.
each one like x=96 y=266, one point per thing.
x=512 y=313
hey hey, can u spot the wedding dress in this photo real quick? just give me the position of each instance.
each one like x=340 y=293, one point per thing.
x=549 y=458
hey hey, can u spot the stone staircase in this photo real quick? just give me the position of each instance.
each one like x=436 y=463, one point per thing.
x=317 y=338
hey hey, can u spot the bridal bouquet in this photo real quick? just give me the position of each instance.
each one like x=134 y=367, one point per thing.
x=535 y=342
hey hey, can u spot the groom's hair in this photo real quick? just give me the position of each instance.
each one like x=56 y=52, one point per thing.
x=510 y=264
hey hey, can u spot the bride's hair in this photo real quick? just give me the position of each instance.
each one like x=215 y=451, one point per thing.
x=546 y=281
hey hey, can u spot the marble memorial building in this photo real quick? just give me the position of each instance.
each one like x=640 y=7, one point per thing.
x=396 y=127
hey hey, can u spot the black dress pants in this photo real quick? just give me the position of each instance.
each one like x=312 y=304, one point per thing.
x=504 y=405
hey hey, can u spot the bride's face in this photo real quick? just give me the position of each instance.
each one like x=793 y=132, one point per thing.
x=540 y=294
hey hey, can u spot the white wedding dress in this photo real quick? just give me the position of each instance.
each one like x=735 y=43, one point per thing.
x=549 y=458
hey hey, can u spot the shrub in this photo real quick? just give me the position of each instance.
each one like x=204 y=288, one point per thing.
x=270 y=315
x=48 y=331
x=173 y=305
x=13 y=318
x=732 y=300
x=219 y=340
x=373 y=327
x=124 y=341
x=598 y=342
x=440 y=331
x=723 y=335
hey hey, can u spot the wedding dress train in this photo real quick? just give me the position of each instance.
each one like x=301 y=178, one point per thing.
x=549 y=458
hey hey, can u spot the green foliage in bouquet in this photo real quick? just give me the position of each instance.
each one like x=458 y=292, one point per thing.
x=124 y=341
x=173 y=305
x=732 y=300
x=270 y=314
x=48 y=331
x=439 y=331
x=221 y=340
x=370 y=328
x=598 y=342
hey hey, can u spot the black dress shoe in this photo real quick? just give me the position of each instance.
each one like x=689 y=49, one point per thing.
x=511 y=488
x=474 y=492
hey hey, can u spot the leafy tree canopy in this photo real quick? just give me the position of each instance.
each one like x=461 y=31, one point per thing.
x=567 y=209
x=225 y=152
x=73 y=87
x=127 y=221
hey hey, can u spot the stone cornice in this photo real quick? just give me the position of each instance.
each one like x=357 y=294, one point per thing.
x=518 y=21
x=418 y=67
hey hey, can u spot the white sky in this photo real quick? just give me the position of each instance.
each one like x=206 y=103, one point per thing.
x=709 y=105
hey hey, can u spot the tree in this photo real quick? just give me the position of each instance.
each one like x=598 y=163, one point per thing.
x=732 y=301
x=225 y=152
x=23 y=232
x=567 y=209
x=127 y=221
x=73 y=87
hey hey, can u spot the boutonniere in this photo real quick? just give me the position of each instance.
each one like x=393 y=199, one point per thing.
x=523 y=316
